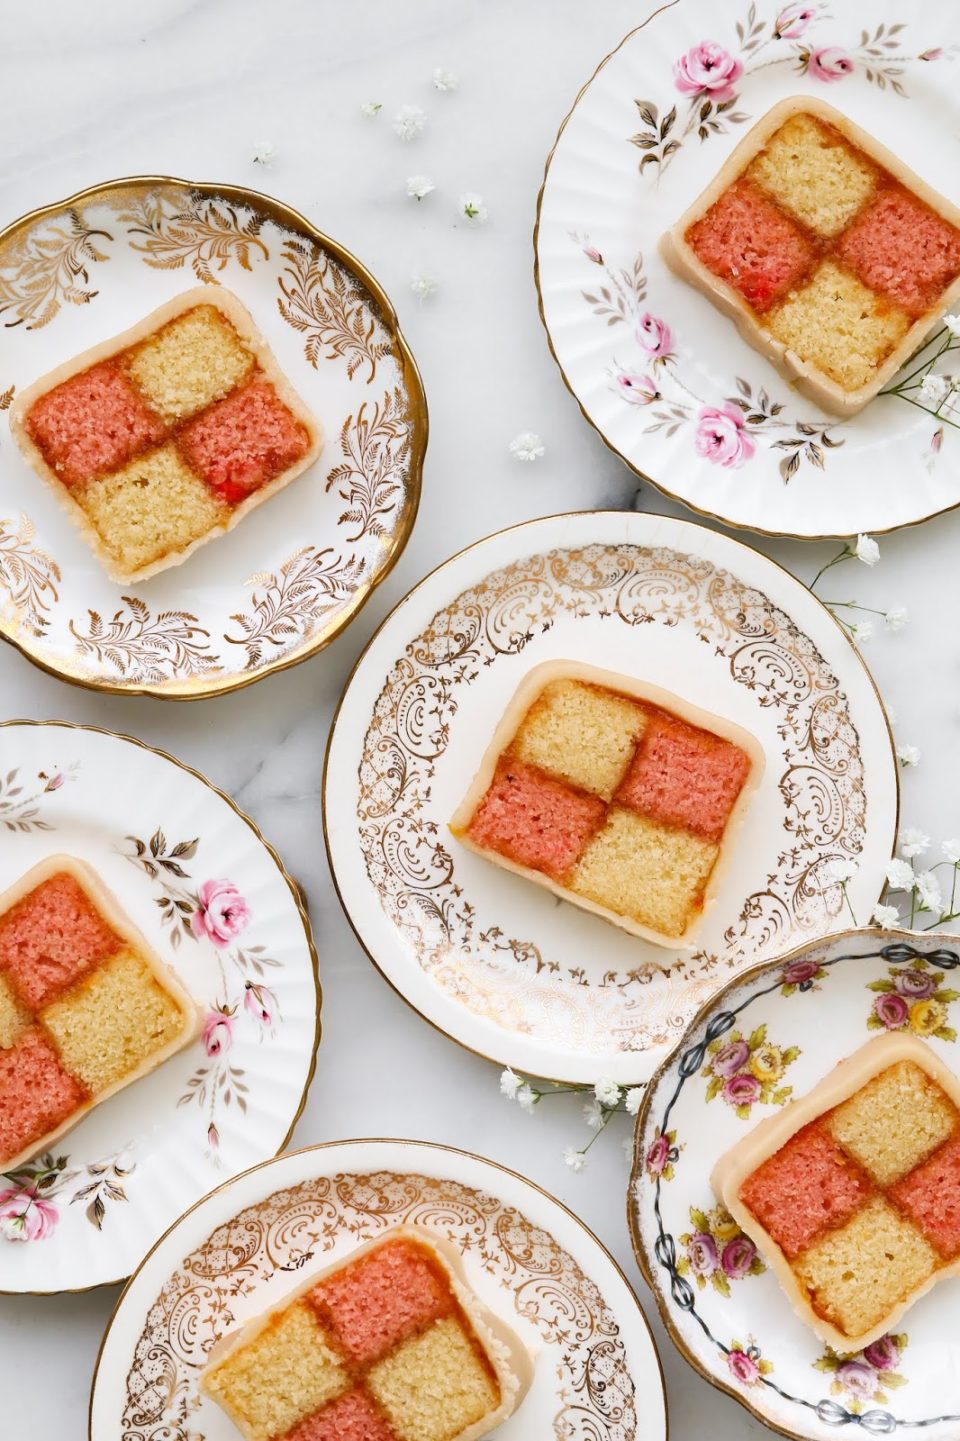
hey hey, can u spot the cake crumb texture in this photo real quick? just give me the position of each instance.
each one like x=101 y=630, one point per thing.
x=748 y=242
x=930 y=1197
x=837 y=324
x=639 y=869
x=581 y=734
x=353 y=1417
x=243 y=442
x=36 y=1093
x=434 y=1385
x=894 y=1122
x=375 y=1303
x=534 y=820
x=807 y=1187
x=685 y=777
x=189 y=363
x=50 y=938
x=91 y=423
x=14 y=1017
x=809 y=169
x=901 y=248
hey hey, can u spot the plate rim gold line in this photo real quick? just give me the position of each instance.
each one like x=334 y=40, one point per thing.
x=286 y=217
x=457 y=555
x=300 y=901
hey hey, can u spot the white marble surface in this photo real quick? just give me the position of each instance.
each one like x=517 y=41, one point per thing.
x=186 y=87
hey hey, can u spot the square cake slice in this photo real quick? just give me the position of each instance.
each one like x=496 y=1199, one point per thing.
x=166 y=436
x=852 y=1193
x=615 y=795
x=834 y=260
x=86 y=1006
x=389 y=1345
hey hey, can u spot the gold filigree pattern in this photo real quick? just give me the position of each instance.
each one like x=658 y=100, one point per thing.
x=141 y=646
x=49 y=267
x=300 y=1225
x=509 y=980
x=376 y=449
x=327 y=304
x=28 y=575
x=207 y=233
x=293 y=600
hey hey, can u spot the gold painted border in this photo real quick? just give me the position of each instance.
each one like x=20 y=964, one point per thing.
x=387 y=1141
x=284 y=216
x=457 y=555
x=648 y=1269
x=659 y=485
x=300 y=902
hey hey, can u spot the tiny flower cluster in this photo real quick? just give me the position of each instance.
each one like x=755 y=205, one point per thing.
x=604 y=1100
x=866 y=550
x=921 y=886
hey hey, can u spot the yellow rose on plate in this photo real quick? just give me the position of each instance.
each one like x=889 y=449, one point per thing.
x=766 y=1063
x=722 y=1225
x=927 y=1017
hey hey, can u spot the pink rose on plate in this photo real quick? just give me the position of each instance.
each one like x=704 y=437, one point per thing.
x=743 y=1367
x=742 y=1090
x=730 y=1059
x=707 y=69
x=721 y=437
x=737 y=1257
x=702 y=1254
x=222 y=913
x=592 y=253
x=917 y=985
x=637 y=389
x=829 y=65
x=218 y=1031
x=891 y=1011
x=858 y=1379
x=24 y=1216
x=799 y=972
x=654 y=335
x=261 y=1003
x=883 y=1355
x=792 y=21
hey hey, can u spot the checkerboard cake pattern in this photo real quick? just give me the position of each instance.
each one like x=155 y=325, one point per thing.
x=81 y=1010
x=379 y=1350
x=617 y=801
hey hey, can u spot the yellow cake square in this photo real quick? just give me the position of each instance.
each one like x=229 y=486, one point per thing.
x=839 y=325
x=809 y=171
x=14 y=1019
x=581 y=734
x=434 y=1386
x=894 y=1122
x=189 y=363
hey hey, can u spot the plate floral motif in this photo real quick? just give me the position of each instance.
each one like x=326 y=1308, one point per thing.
x=664 y=377
x=263 y=598
x=550 y=992
x=891 y=1388
x=597 y=1373
x=217 y=906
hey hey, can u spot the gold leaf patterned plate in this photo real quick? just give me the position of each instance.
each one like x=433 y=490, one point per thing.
x=499 y=964
x=238 y=1251
x=664 y=377
x=756 y=1045
x=271 y=592
x=212 y=897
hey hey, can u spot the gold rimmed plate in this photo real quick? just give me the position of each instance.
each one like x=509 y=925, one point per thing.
x=276 y=590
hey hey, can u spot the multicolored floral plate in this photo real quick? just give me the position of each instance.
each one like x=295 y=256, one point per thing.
x=273 y=591
x=195 y=875
x=665 y=378
x=501 y=965
x=766 y=1037
x=241 y=1249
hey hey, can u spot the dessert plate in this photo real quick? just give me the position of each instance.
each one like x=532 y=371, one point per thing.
x=211 y=896
x=274 y=591
x=761 y=1040
x=499 y=964
x=666 y=379
x=238 y=1251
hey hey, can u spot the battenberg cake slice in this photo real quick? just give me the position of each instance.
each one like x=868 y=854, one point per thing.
x=86 y=1006
x=389 y=1345
x=852 y=1193
x=615 y=795
x=166 y=436
x=833 y=258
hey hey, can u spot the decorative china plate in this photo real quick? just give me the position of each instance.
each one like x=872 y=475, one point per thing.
x=499 y=964
x=241 y=1249
x=785 y=1025
x=212 y=898
x=663 y=376
x=275 y=590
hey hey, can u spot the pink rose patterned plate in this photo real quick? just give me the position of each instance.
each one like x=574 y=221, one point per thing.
x=212 y=897
x=768 y=1036
x=665 y=378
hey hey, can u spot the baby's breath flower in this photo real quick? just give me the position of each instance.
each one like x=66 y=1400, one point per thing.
x=607 y=1092
x=423 y=286
x=527 y=446
x=471 y=207
x=914 y=843
x=861 y=630
x=951 y=851
x=928 y=889
x=593 y=1114
x=510 y=1084
x=867 y=550
x=264 y=152
x=952 y=322
x=575 y=1159
x=886 y=917
x=900 y=875
x=419 y=186
x=897 y=618
x=527 y=1097
x=839 y=870
x=370 y=108
x=908 y=755
x=444 y=80
x=634 y=1100
x=934 y=389
x=409 y=121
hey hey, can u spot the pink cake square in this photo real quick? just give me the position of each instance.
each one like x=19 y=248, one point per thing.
x=242 y=442
x=91 y=424
x=535 y=820
x=352 y=1417
x=685 y=777
x=930 y=1196
x=51 y=938
x=382 y=1299
x=810 y=1185
x=752 y=245
x=36 y=1093
x=902 y=248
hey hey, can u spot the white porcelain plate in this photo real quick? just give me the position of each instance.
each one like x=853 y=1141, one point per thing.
x=501 y=965
x=527 y=1257
x=765 y=1038
x=279 y=587
x=646 y=134
x=172 y=849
